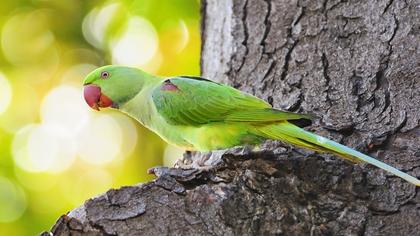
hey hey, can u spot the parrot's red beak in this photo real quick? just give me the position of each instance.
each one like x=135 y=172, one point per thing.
x=94 y=98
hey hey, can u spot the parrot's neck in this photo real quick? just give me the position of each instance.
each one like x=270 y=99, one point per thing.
x=141 y=107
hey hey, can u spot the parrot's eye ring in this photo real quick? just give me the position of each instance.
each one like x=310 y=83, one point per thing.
x=104 y=74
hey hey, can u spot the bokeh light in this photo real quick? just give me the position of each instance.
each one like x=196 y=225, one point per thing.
x=63 y=106
x=73 y=74
x=48 y=150
x=178 y=33
x=100 y=141
x=23 y=96
x=97 y=23
x=27 y=40
x=128 y=128
x=5 y=93
x=56 y=152
x=20 y=148
x=137 y=44
x=38 y=148
x=12 y=200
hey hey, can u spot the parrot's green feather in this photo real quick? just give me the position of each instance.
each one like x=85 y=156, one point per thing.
x=265 y=115
x=203 y=115
x=198 y=102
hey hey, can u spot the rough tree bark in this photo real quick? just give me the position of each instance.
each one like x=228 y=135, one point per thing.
x=355 y=64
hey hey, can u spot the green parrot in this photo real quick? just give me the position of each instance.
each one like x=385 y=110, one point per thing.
x=199 y=114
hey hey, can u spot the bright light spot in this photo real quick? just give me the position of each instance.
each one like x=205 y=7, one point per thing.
x=38 y=148
x=68 y=130
x=171 y=155
x=12 y=201
x=75 y=74
x=100 y=141
x=136 y=45
x=153 y=65
x=5 y=93
x=96 y=23
x=26 y=38
x=177 y=33
x=65 y=109
x=128 y=128
x=20 y=148
x=48 y=151
x=184 y=36
x=23 y=108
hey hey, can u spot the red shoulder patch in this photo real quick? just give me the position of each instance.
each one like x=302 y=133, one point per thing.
x=168 y=86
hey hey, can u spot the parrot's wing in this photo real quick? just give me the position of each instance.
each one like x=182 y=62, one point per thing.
x=196 y=101
x=264 y=115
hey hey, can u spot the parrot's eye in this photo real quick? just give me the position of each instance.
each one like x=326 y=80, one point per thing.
x=104 y=74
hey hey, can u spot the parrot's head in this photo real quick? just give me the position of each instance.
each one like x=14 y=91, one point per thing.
x=112 y=86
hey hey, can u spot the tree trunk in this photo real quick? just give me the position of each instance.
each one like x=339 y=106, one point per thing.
x=354 y=64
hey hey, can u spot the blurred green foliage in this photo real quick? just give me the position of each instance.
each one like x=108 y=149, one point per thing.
x=54 y=151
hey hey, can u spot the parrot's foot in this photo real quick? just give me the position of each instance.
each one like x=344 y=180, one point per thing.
x=213 y=159
x=207 y=161
x=194 y=166
x=195 y=163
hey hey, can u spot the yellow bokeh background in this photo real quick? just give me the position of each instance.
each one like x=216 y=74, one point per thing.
x=56 y=152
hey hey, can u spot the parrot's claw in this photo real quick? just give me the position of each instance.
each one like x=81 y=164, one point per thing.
x=193 y=166
x=199 y=164
x=180 y=164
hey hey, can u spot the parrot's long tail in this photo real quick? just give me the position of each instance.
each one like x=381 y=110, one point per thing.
x=290 y=133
